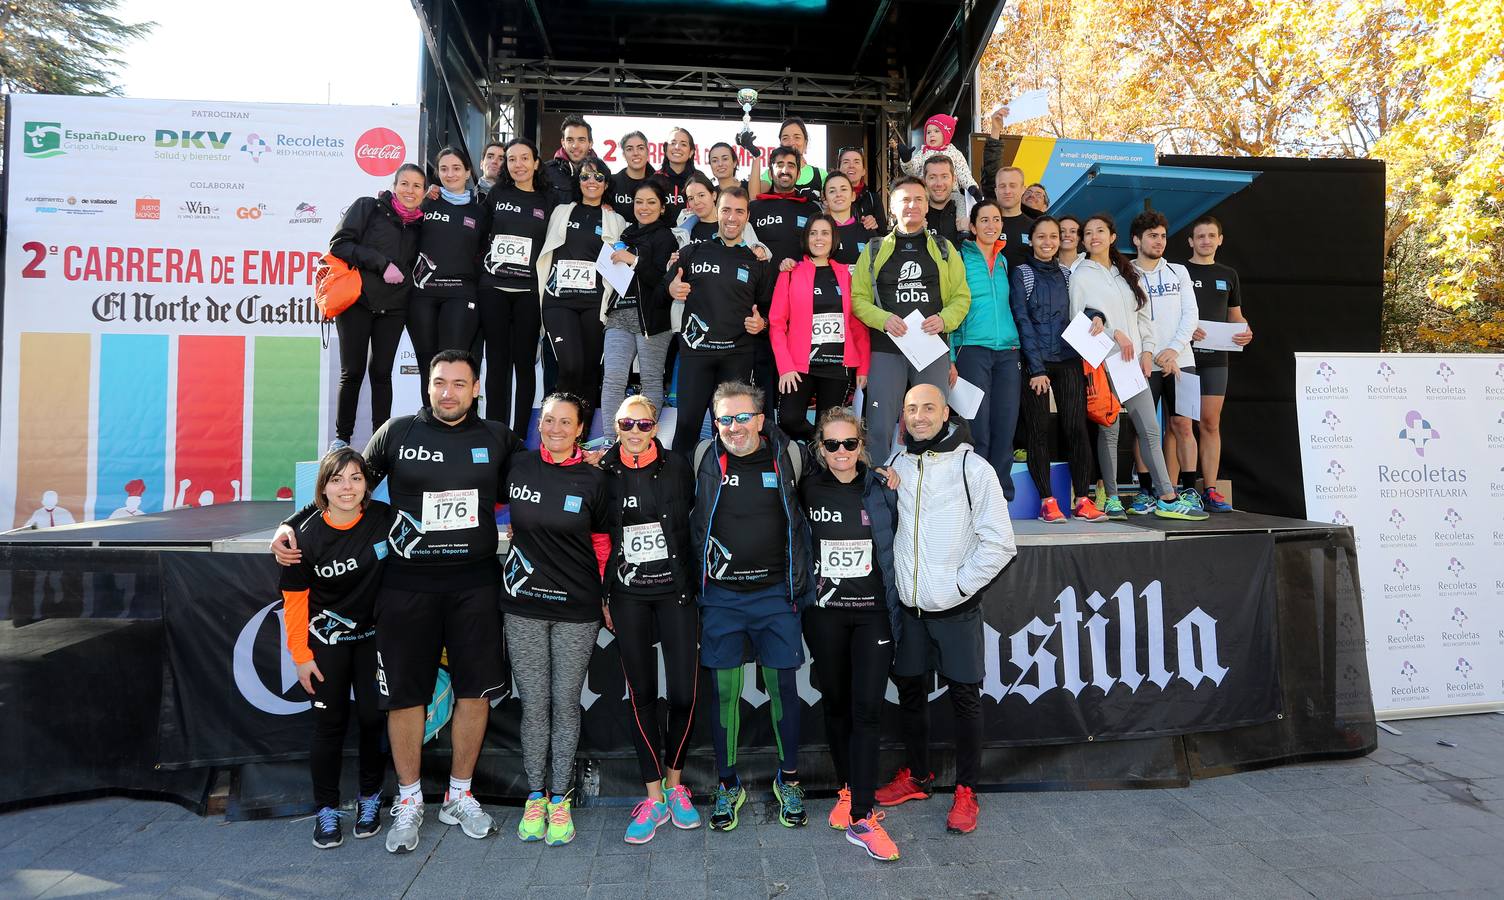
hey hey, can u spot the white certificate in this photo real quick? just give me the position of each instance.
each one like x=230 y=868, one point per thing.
x=618 y=275
x=965 y=399
x=920 y=348
x=1092 y=347
x=1188 y=396
x=1028 y=105
x=1219 y=335
x=1127 y=378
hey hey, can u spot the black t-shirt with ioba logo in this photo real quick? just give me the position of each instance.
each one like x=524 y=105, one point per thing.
x=909 y=280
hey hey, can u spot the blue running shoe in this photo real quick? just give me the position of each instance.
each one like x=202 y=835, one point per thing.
x=1179 y=508
x=728 y=801
x=790 y=799
x=1216 y=502
x=1142 y=504
x=681 y=808
x=646 y=817
x=1114 y=509
x=368 y=815
x=1191 y=496
x=327 y=833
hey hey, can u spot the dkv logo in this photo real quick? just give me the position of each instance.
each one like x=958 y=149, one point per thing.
x=248 y=678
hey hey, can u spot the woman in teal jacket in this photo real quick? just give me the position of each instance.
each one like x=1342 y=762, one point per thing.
x=984 y=349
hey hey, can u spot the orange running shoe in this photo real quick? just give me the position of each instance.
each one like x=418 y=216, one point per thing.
x=1049 y=511
x=1087 y=511
x=904 y=787
x=963 y=812
x=870 y=835
x=840 y=816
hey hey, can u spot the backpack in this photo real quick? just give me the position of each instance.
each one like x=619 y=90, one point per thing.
x=1101 y=406
x=336 y=286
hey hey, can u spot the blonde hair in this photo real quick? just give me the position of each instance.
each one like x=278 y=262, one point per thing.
x=637 y=400
x=841 y=414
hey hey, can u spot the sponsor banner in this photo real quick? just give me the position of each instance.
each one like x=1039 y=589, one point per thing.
x=1086 y=642
x=1056 y=163
x=1408 y=450
x=160 y=336
x=609 y=131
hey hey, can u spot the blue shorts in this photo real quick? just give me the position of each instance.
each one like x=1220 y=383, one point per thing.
x=765 y=617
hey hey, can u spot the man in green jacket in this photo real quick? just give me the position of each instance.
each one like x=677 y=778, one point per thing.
x=907 y=270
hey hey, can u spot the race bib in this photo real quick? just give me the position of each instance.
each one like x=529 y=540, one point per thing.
x=643 y=543
x=829 y=328
x=574 y=275
x=450 y=510
x=511 y=250
x=845 y=559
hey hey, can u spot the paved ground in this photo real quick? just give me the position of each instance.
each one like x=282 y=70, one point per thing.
x=1413 y=818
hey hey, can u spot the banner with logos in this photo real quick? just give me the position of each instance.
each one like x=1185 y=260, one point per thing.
x=1082 y=643
x=161 y=344
x=1408 y=450
x=609 y=130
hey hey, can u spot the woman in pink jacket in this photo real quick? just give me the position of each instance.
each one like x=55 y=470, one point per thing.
x=817 y=342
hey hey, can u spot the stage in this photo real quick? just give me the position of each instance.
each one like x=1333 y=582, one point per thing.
x=142 y=656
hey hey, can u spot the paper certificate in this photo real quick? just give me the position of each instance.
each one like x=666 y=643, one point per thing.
x=1127 y=378
x=1092 y=347
x=618 y=275
x=965 y=399
x=1188 y=396
x=921 y=349
x=1219 y=335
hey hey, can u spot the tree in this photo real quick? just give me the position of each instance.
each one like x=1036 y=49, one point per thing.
x=62 y=46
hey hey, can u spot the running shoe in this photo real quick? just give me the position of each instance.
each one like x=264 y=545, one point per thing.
x=367 y=815
x=1215 y=501
x=903 y=788
x=647 y=815
x=534 y=818
x=407 y=818
x=963 y=811
x=681 y=809
x=870 y=835
x=1142 y=504
x=1191 y=496
x=728 y=802
x=1021 y=456
x=1049 y=511
x=338 y=444
x=840 y=816
x=1114 y=509
x=1087 y=511
x=465 y=811
x=327 y=833
x=560 y=822
x=1179 y=508
x=790 y=799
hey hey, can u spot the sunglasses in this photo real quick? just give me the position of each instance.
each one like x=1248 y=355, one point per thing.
x=592 y=176
x=739 y=418
x=639 y=424
x=845 y=150
x=848 y=444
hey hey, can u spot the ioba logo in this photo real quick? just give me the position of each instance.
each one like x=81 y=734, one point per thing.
x=1446 y=390
x=379 y=151
x=1418 y=431
x=254 y=649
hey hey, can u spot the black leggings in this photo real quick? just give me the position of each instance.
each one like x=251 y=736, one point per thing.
x=966 y=704
x=510 y=322
x=793 y=407
x=577 y=337
x=345 y=666
x=1068 y=384
x=639 y=623
x=439 y=323
x=851 y=653
x=699 y=375
x=366 y=337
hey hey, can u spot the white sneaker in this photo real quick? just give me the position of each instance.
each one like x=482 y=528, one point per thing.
x=465 y=811
x=407 y=818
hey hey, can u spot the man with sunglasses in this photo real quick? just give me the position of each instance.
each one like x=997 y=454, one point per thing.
x=752 y=542
x=726 y=291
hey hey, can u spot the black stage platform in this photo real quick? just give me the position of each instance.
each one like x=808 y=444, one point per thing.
x=142 y=656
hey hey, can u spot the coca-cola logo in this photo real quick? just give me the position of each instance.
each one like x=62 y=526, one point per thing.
x=379 y=151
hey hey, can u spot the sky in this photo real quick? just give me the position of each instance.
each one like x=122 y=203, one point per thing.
x=358 y=52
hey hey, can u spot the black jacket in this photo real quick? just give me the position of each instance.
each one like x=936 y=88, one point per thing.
x=708 y=490
x=370 y=237
x=561 y=175
x=674 y=488
x=652 y=245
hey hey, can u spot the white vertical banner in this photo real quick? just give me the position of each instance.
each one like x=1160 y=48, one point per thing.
x=1408 y=449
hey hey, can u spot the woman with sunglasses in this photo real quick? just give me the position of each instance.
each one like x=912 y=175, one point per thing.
x=650 y=598
x=817 y=342
x=637 y=322
x=574 y=297
x=851 y=629
x=550 y=600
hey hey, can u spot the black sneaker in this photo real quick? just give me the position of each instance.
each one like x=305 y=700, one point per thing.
x=327 y=833
x=367 y=816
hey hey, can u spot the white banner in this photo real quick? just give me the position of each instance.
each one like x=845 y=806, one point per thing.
x=1408 y=449
x=609 y=130
x=161 y=345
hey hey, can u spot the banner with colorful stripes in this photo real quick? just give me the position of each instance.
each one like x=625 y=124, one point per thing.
x=1056 y=163
x=161 y=347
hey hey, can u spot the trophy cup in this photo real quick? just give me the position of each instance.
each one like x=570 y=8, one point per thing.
x=746 y=140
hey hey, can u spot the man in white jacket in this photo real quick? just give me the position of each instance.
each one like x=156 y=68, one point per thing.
x=1172 y=308
x=953 y=539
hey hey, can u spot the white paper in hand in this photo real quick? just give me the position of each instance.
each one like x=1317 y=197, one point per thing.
x=1092 y=347
x=1028 y=105
x=919 y=348
x=1188 y=396
x=618 y=275
x=965 y=399
x=1127 y=378
x=1219 y=336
